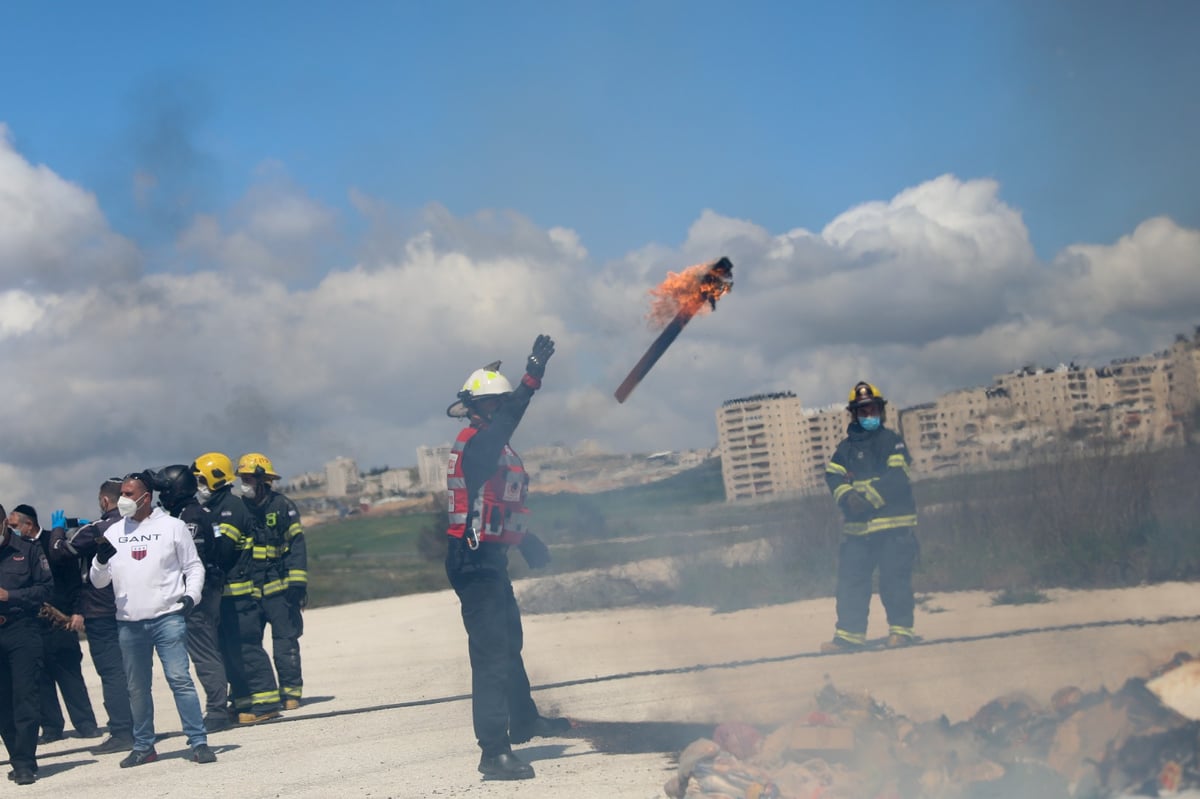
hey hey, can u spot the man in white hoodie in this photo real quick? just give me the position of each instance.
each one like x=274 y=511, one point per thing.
x=151 y=561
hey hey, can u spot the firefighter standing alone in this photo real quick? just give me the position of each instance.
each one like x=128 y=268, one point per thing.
x=869 y=477
x=487 y=485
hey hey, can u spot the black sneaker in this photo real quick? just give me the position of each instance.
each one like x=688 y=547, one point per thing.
x=139 y=757
x=23 y=776
x=113 y=744
x=505 y=767
x=541 y=727
x=202 y=754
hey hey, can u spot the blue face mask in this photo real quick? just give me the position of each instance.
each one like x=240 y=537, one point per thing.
x=868 y=423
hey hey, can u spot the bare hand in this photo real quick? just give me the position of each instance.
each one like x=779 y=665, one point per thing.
x=3 y=594
x=76 y=624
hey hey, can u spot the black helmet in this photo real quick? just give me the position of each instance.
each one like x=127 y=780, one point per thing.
x=175 y=484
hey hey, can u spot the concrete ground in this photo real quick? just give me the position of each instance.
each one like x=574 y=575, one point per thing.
x=387 y=713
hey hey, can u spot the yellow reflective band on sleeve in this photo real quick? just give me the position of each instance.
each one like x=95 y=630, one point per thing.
x=898 y=462
x=868 y=491
x=243 y=588
x=834 y=468
x=232 y=533
x=297 y=577
x=841 y=490
x=274 y=587
x=293 y=531
x=854 y=528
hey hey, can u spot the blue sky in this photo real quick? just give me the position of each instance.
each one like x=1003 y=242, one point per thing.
x=621 y=120
x=302 y=225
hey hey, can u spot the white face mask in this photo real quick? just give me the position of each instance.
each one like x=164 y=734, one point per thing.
x=127 y=506
x=203 y=492
x=247 y=490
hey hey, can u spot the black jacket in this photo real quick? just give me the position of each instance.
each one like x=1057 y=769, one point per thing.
x=235 y=529
x=68 y=581
x=199 y=523
x=79 y=547
x=25 y=574
x=875 y=465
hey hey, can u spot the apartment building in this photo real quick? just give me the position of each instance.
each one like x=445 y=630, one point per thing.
x=341 y=477
x=771 y=445
x=432 y=463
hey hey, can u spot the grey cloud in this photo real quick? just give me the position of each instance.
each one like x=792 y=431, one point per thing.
x=275 y=230
x=173 y=176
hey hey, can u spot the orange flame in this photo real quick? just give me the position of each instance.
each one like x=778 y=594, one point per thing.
x=688 y=291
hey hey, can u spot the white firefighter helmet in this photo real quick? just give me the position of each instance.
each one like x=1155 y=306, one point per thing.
x=485 y=382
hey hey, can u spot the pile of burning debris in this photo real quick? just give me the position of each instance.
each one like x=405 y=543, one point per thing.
x=1141 y=740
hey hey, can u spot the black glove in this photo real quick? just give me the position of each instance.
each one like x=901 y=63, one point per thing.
x=536 y=554
x=297 y=596
x=543 y=348
x=104 y=550
x=856 y=505
x=188 y=604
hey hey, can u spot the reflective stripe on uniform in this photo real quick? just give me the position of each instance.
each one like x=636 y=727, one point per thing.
x=852 y=638
x=899 y=462
x=242 y=588
x=265 y=697
x=870 y=493
x=882 y=523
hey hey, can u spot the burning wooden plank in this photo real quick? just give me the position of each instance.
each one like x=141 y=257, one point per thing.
x=683 y=294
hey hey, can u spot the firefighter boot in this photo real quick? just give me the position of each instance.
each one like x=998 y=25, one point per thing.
x=255 y=718
x=506 y=766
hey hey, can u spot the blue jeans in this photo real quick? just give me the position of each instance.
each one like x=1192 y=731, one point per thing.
x=168 y=635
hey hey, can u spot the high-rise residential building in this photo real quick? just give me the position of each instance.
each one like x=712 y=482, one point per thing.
x=431 y=467
x=341 y=477
x=771 y=445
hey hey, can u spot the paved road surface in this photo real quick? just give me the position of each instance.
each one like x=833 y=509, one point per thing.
x=387 y=715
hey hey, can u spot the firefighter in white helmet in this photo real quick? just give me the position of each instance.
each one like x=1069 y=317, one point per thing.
x=868 y=476
x=487 y=488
